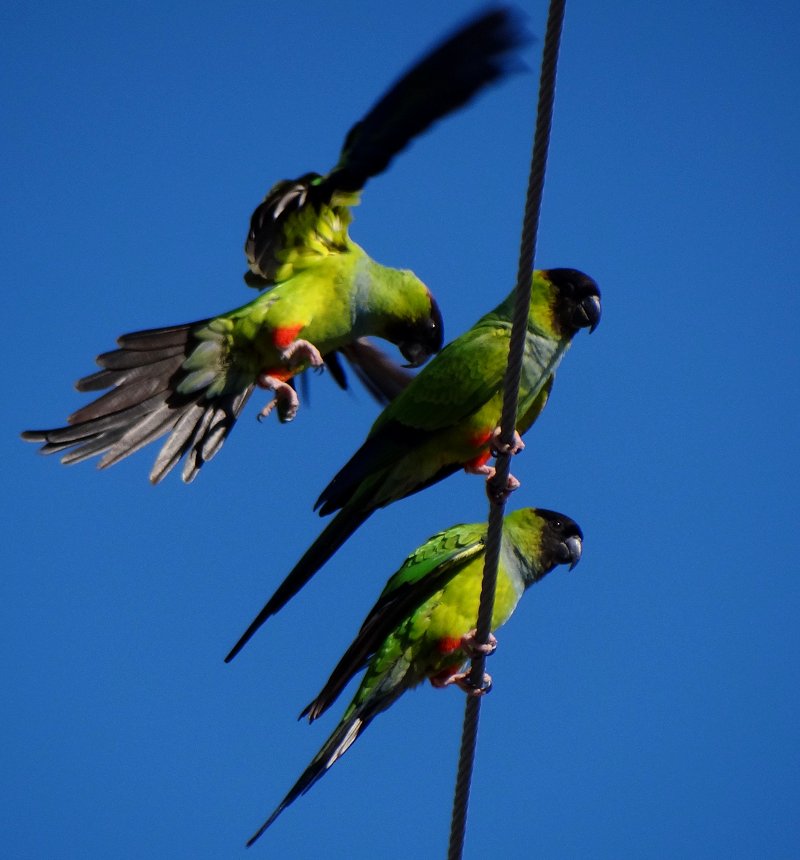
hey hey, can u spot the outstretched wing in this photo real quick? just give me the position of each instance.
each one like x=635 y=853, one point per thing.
x=303 y=220
x=300 y=222
x=448 y=77
x=178 y=380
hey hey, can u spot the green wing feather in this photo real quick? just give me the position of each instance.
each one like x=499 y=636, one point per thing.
x=465 y=376
x=526 y=419
x=426 y=571
x=299 y=223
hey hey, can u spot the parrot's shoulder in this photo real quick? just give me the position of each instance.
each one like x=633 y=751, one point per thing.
x=426 y=571
x=300 y=223
x=439 y=556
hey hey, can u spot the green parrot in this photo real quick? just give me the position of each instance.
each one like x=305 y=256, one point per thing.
x=325 y=294
x=447 y=418
x=421 y=625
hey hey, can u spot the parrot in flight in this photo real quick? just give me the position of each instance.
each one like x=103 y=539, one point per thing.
x=447 y=417
x=324 y=293
x=421 y=625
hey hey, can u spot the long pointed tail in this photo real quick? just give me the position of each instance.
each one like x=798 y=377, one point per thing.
x=335 y=534
x=337 y=744
x=356 y=718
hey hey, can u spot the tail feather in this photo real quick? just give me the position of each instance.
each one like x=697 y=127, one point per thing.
x=218 y=428
x=355 y=720
x=335 y=534
x=343 y=737
x=143 y=403
x=73 y=434
x=125 y=357
x=194 y=459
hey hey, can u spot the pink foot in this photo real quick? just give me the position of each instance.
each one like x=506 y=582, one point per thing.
x=461 y=680
x=301 y=351
x=285 y=398
x=481 y=469
x=473 y=648
x=499 y=497
x=489 y=471
x=514 y=447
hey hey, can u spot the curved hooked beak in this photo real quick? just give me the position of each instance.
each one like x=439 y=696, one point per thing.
x=426 y=340
x=588 y=312
x=574 y=548
x=415 y=353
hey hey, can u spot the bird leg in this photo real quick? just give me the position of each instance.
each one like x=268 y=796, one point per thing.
x=299 y=351
x=462 y=681
x=497 y=447
x=480 y=465
x=469 y=646
x=285 y=398
x=472 y=648
x=499 y=497
x=496 y=497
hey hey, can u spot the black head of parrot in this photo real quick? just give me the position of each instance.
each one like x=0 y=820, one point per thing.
x=419 y=338
x=577 y=299
x=562 y=540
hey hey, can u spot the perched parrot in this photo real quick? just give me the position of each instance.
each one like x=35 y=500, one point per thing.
x=325 y=294
x=447 y=417
x=421 y=625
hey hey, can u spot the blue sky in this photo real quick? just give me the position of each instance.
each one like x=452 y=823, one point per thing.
x=646 y=704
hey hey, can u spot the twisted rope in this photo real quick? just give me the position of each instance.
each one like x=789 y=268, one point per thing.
x=508 y=420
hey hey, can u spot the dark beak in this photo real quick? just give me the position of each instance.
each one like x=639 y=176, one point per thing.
x=427 y=339
x=587 y=313
x=415 y=354
x=573 y=547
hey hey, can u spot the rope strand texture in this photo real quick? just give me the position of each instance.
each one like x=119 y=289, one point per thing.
x=508 y=420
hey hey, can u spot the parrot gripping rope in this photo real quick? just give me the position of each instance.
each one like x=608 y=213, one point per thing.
x=497 y=486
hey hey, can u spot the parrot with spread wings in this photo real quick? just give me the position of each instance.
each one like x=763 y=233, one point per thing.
x=323 y=293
